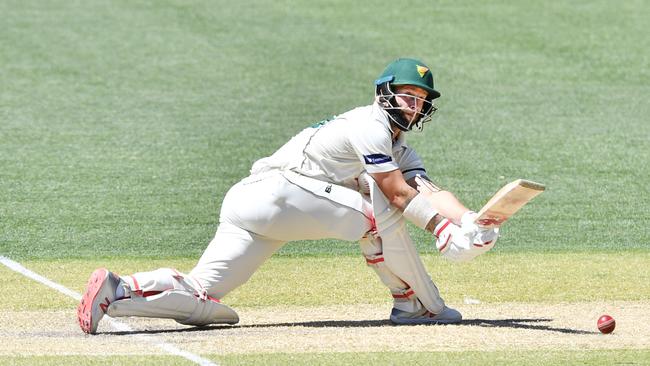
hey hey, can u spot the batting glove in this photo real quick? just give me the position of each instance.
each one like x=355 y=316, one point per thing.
x=364 y=183
x=453 y=244
x=468 y=227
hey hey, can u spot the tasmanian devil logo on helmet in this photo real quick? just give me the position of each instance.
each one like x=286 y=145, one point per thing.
x=422 y=70
x=406 y=72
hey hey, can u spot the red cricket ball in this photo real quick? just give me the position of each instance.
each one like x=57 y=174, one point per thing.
x=606 y=324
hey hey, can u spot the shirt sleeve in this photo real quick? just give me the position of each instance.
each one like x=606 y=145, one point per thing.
x=409 y=163
x=373 y=146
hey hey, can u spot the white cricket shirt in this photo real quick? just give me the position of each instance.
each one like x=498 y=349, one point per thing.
x=339 y=150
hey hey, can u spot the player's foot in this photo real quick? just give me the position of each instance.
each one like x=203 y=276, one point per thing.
x=423 y=316
x=99 y=294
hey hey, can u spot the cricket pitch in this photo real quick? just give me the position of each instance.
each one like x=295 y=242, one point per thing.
x=349 y=328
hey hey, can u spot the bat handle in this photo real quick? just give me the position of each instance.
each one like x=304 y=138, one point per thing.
x=425 y=183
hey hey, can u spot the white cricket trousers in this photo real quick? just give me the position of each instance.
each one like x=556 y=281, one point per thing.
x=263 y=212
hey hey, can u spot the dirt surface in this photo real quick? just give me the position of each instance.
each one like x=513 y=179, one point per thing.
x=359 y=328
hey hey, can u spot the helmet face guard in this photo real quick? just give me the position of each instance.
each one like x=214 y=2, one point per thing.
x=388 y=101
x=406 y=71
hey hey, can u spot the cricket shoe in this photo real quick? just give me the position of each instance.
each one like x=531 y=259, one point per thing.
x=100 y=293
x=424 y=316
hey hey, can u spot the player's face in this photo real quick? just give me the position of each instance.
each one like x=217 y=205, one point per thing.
x=410 y=100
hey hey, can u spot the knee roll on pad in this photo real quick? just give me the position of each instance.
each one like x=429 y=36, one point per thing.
x=371 y=248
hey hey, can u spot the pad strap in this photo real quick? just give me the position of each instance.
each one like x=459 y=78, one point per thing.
x=403 y=295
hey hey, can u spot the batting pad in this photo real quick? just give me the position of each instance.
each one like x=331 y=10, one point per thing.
x=167 y=293
x=184 y=307
x=400 y=254
x=403 y=296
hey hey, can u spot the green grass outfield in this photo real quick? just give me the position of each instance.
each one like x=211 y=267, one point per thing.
x=314 y=281
x=123 y=124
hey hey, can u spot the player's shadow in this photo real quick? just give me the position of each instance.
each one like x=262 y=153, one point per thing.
x=517 y=323
x=531 y=324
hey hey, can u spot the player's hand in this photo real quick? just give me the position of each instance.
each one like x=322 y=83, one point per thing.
x=364 y=183
x=453 y=244
x=486 y=237
x=474 y=232
x=468 y=228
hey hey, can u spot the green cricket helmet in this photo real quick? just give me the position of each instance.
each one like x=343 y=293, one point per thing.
x=406 y=71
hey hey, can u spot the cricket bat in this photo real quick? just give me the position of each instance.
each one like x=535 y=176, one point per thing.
x=507 y=201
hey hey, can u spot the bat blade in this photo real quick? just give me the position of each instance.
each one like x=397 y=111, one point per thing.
x=507 y=201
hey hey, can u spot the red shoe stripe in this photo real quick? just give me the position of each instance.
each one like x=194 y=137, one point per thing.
x=104 y=306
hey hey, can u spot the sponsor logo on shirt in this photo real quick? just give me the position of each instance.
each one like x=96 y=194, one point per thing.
x=377 y=158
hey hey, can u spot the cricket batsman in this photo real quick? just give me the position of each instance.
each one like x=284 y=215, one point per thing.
x=351 y=178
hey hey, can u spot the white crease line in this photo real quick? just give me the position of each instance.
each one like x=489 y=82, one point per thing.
x=118 y=325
